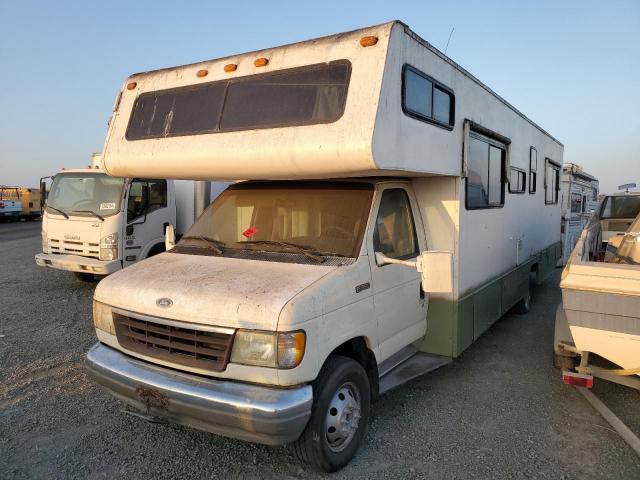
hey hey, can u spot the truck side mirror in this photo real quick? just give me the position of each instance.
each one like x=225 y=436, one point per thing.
x=43 y=194
x=435 y=267
x=169 y=237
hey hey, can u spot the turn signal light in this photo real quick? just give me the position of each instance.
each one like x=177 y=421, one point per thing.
x=261 y=62
x=131 y=85
x=230 y=67
x=202 y=73
x=369 y=41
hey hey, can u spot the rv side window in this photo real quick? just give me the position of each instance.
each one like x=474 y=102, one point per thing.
x=395 y=232
x=517 y=180
x=576 y=203
x=485 y=179
x=425 y=99
x=299 y=96
x=551 y=182
x=533 y=169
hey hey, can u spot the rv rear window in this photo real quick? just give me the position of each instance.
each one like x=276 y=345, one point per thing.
x=485 y=178
x=426 y=99
x=301 y=96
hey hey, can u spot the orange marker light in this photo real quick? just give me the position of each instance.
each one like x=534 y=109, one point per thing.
x=131 y=85
x=261 y=62
x=230 y=67
x=202 y=73
x=368 y=41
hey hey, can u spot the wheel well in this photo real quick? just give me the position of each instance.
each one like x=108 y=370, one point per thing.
x=156 y=249
x=357 y=349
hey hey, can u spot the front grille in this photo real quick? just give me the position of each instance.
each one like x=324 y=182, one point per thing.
x=84 y=249
x=184 y=346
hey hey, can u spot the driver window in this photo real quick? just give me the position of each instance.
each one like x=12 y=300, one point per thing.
x=395 y=233
x=145 y=196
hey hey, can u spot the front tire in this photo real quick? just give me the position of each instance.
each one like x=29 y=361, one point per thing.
x=339 y=418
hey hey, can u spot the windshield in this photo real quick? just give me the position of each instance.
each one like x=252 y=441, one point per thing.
x=323 y=218
x=621 y=207
x=82 y=193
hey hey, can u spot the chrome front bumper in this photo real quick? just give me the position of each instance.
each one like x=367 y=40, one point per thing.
x=272 y=416
x=76 y=263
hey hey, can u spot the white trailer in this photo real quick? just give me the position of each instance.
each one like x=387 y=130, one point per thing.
x=579 y=200
x=394 y=208
x=94 y=224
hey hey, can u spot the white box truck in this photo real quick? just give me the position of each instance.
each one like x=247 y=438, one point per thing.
x=94 y=224
x=385 y=222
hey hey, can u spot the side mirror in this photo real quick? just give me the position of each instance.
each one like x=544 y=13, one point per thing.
x=43 y=194
x=435 y=267
x=169 y=237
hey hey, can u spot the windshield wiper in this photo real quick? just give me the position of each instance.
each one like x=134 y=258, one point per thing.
x=89 y=211
x=64 y=214
x=306 y=251
x=214 y=244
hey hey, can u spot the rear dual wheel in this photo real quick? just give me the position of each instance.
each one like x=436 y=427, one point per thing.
x=339 y=418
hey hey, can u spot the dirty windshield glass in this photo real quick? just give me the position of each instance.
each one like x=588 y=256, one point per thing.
x=621 y=207
x=324 y=219
x=83 y=193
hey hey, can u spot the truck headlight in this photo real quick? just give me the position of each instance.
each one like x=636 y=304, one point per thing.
x=268 y=349
x=109 y=247
x=102 y=318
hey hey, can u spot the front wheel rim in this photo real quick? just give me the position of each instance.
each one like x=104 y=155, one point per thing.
x=343 y=417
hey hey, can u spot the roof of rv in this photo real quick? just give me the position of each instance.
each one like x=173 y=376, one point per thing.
x=338 y=36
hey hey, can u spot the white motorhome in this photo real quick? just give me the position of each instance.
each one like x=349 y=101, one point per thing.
x=579 y=199
x=394 y=208
x=94 y=224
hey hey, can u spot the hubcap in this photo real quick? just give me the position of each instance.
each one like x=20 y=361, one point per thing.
x=343 y=417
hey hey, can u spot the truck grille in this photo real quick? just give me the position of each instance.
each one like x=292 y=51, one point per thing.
x=184 y=346
x=83 y=249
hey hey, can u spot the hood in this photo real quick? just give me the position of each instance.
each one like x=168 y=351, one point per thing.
x=226 y=292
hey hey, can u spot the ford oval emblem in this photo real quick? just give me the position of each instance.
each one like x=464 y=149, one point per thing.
x=164 y=302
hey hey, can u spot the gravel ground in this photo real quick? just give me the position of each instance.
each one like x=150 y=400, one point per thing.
x=499 y=411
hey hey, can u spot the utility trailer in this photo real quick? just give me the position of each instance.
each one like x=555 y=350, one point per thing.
x=393 y=208
x=579 y=199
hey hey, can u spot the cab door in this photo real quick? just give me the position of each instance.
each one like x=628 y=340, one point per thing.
x=400 y=305
x=146 y=217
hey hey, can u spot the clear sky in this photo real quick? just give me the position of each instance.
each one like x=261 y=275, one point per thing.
x=571 y=66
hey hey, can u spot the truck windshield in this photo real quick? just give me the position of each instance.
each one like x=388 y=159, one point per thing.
x=309 y=218
x=621 y=206
x=82 y=193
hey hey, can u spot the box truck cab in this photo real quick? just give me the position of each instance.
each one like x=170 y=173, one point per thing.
x=94 y=224
x=381 y=227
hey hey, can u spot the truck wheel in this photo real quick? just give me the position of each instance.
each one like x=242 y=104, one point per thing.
x=86 y=277
x=524 y=305
x=339 y=418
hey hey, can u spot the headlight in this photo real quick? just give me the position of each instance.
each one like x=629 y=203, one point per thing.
x=109 y=247
x=267 y=349
x=102 y=318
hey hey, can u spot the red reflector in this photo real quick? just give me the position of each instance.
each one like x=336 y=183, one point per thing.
x=577 y=379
